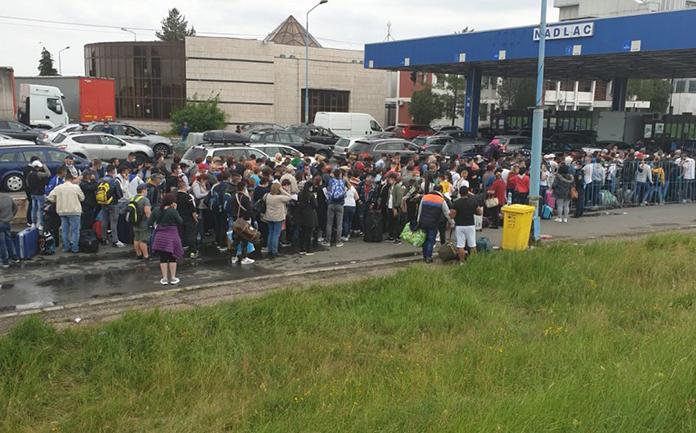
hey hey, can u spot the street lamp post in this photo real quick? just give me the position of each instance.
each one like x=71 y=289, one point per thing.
x=306 y=40
x=538 y=126
x=60 y=63
x=135 y=36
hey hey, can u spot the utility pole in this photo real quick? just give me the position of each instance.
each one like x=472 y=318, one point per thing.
x=60 y=63
x=538 y=126
x=306 y=41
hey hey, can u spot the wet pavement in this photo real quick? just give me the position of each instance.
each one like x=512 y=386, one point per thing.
x=64 y=278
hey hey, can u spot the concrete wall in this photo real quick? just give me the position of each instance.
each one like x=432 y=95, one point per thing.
x=261 y=82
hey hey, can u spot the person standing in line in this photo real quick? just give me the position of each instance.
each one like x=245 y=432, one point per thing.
x=68 y=198
x=141 y=230
x=166 y=241
x=465 y=226
x=562 y=184
x=36 y=185
x=88 y=185
x=186 y=206
x=336 y=191
x=349 y=208
x=307 y=216
x=8 y=210
x=432 y=210
x=276 y=211
x=241 y=208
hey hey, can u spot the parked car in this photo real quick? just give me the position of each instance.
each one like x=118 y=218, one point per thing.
x=13 y=159
x=293 y=140
x=220 y=150
x=130 y=133
x=348 y=125
x=387 y=147
x=449 y=128
x=45 y=137
x=250 y=127
x=463 y=148
x=6 y=140
x=341 y=147
x=513 y=143
x=410 y=132
x=433 y=143
x=97 y=145
x=18 y=130
x=220 y=136
x=568 y=141
x=317 y=134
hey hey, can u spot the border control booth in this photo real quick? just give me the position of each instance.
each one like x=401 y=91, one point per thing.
x=654 y=45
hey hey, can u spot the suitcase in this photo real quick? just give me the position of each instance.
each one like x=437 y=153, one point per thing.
x=27 y=244
x=447 y=252
x=125 y=230
x=88 y=242
x=549 y=198
x=97 y=227
x=373 y=227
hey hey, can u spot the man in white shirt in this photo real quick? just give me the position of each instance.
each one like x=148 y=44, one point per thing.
x=688 y=166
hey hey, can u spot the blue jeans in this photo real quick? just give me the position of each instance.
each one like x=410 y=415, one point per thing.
x=70 y=225
x=348 y=214
x=430 y=239
x=37 y=207
x=641 y=192
x=274 y=229
x=6 y=246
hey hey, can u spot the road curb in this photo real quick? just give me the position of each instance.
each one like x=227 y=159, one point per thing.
x=172 y=292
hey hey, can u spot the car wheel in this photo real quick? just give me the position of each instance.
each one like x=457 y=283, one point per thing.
x=140 y=158
x=161 y=148
x=14 y=183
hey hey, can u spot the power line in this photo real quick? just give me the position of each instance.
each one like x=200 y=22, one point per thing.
x=35 y=26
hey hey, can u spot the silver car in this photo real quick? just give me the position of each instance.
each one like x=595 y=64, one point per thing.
x=97 y=145
x=46 y=137
x=130 y=133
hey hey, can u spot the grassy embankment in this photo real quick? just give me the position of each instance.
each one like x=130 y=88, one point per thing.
x=595 y=338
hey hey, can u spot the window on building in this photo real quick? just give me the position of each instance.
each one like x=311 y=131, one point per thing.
x=680 y=86
x=325 y=100
x=692 y=86
x=584 y=86
x=483 y=112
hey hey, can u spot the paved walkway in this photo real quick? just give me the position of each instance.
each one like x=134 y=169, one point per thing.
x=61 y=279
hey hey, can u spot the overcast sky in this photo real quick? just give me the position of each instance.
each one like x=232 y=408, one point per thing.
x=339 y=23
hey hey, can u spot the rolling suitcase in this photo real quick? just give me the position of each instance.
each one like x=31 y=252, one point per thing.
x=373 y=227
x=88 y=242
x=27 y=243
x=125 y=230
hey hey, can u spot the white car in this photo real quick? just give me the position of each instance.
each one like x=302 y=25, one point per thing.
x=97 y=145
x=46 y=137
x=6 y=140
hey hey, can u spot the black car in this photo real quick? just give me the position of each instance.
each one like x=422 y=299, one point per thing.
x=387 y=147
x=568 y=142
x=18 y=130
x=434 y=143
x=316 y=134
x=293 y=140
x=463 y=148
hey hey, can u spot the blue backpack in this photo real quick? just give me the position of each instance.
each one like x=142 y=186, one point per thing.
x=220 y=199
x=337 y=191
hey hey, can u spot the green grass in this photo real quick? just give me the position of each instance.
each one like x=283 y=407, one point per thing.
x=594 y=338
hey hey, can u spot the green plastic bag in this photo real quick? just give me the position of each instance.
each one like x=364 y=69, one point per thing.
x=417 y=238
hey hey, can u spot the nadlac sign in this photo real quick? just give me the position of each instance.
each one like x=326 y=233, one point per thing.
x=567 y=31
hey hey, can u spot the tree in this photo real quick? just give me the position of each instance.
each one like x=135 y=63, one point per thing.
x=655 y=91
x=175 y=27
x=46 y=64
x=517 y=93
x=425 y=106
x=201 y=115
x=453 y=89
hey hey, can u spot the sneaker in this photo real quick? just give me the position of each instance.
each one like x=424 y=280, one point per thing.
x=428 y=260
x=397 y=241
x=324 y=244
x=344 y=239
x=174 y=281
x=247 y=261
x=565 y=220
x=194 y=255
x=235 y=260
x=119 y=244
x=558 y=220
x=5 y=265
x=310 y=254
x=222 y=249
x=322 y=240
x=285 y=245
x=339 y=245
x=302 y=253
x=164 y=282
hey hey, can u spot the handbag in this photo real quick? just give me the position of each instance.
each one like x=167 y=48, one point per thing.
x=491 y=202
x=573 y=193
x=242 y=228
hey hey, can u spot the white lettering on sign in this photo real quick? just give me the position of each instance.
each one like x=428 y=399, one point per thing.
x=567 y=31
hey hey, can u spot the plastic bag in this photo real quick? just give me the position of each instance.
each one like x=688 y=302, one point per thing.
x=417 y=238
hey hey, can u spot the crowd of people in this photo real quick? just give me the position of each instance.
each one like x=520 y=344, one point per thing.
x=170 y=209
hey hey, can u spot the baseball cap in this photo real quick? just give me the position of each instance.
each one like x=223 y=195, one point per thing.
x=141 y=187
x=37 y=164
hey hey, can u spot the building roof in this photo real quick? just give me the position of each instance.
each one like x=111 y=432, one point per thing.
x=657 y=45
x=291 y=32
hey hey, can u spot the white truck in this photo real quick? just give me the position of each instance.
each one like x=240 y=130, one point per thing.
x=41 y=106
x=348 y=125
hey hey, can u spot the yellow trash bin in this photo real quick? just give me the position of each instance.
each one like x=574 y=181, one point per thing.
x=517 y=223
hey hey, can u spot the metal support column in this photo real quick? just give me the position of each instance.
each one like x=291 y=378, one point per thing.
x=472 y=102
x=538 y=127
x=619 y=91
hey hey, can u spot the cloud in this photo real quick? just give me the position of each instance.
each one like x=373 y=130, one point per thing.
x=339 y=23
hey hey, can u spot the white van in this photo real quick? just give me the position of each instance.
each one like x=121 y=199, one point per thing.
x=41 y=106
x=348 y=125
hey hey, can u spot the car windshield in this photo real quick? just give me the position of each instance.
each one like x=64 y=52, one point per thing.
x=342 y=142
x=359 y=146
x=59 y=138
x=194 y=153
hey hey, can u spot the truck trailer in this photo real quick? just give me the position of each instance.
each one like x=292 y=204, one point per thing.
x=86 y=99
x=8 y=106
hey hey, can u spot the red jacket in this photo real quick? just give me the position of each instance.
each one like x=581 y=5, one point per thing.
x=522 y=185
x=500 y=190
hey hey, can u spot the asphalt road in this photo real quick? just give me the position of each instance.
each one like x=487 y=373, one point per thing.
x=60 y=279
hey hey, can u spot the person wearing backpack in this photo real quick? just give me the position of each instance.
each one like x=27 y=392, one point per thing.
x=138 y=214
x=108 y=194
x=336 y=191
x=219 y=195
